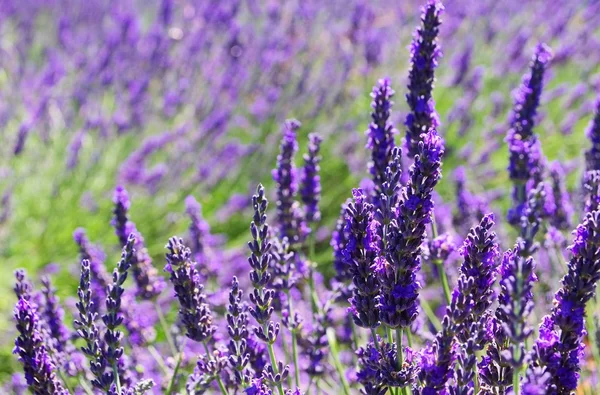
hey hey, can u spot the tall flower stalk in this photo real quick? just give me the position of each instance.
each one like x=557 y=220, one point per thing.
x=262 y=296
x=424 y=53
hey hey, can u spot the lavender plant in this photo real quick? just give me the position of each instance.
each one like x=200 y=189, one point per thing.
x=400 y=309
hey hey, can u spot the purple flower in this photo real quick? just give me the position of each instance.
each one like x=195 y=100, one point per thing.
x=437 y=360
x=361 y=249
x=237 y=323
x=310 y=181
x=474 y=294
x=113 y=318
x=591 y=190
x=194 y=312
x=524 y=148
x=425 y=52
x=29 y=345
x=399 y=289
x=561 y=218
x=592 y=156
x=200 y=236
x=149 y=283
x=380 y=135
x=380 y=368
x=53 y=316
x=559 y=347
x=286 y=178
x=99 y=276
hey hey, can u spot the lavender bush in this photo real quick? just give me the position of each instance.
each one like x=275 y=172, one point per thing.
x=468 y=288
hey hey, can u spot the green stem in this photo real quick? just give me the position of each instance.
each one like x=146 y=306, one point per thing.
x=217 y=377
x=375 y=341
x=85 y=386
x=409 y=337
x=400 y=356
x=116 y=377
x=294 y=343
x=516 y=373
x=158 y=358
x=274 y=364
x=431 y=315
x=444 y=278
x=64 y=380
x=175 y=371
x=165 y=327
x=314 y=299
x=440 y=264
x=333 y=347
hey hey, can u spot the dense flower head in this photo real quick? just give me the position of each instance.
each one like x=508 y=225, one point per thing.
x=592 y=155
x=33 y=354
x=310 y=180
x=360 y=252
x=562 y=358
x=474 y=294
x=380 y=135
x=527 y=97
x=199 y=229
x=591 y=190
x=561 y=218
x=400 y=289
x=437 y=360
x=53 y=316
x=149 y=283
x=526 y=158
x=286 y=177
x=194 y=311
x=237 y=323
x=425 y=52
x=96 y=257
x=380 y=366
x=339 y=238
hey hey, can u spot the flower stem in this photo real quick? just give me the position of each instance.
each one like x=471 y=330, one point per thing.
x=440 y=264
x=333 y=347
x=116 y=377
x=274 y=364
x=516 y=372
x=165 y=327
x=294 y=342
x=175 y=372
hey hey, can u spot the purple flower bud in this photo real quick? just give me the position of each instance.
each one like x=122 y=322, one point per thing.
x=310 y=181
x=559 y=348
x=592 y=156
x=424 y=52
x=29 y=345
x=194 y=312
x=380 y=134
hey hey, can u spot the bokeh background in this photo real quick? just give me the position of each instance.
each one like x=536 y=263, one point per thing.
x=177 y=97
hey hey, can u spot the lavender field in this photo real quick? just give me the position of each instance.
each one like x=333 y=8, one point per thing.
x=300 y=197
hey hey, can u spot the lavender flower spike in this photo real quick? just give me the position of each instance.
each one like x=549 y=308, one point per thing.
x=286 y=178
x=360 y=253
x=405 y=234
x=88 y=331
x=310 y=181
x=194 y=312
x=237 y=323
x=29 y=345
x=592 y=156
x=425 y=52
x=523 y=145
x=113 y=317
x=149 y=283
x=380 y=134
x=559 y=347
x=54 y=315
x=564 y=210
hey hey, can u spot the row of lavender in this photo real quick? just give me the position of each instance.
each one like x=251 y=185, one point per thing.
x=291 y=333
x=180 y=80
